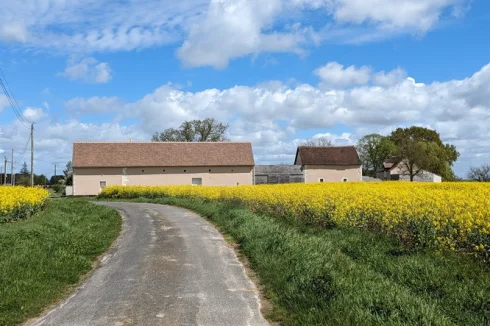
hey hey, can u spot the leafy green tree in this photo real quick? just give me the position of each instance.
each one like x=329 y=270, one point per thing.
x=68 y=172
x=422 y=149
x=55 y=179
x=40 y=180
x=207 y=130
x=373 y=149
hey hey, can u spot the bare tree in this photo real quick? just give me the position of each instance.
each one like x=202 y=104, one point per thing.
x=208 y=130
x=481 y=174
x=318 y=142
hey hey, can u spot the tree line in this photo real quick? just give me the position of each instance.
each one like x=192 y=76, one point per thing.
x=416 y=149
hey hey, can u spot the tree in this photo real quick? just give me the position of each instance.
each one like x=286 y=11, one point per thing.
x=68 y=172
x=24 y=170
x=481 y=174
x=373 y=149
x=417 y=156
x=422 y=149
x=56 y=179
x=40 y=180
x=207 y=130
x=318 y=142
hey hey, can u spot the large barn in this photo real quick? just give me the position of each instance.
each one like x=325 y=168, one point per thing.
x=100 y=164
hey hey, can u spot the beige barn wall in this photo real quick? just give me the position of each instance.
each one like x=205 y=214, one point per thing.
x=86 y=181
x=332 y=173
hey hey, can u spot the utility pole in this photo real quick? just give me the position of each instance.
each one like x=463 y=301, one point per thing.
x=12 y=182
x=55 y=170
x=32 y=155
x=5 y=172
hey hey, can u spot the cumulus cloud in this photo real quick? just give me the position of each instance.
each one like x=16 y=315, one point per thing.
x=334 y=74
x=389 y=78
x=89 y=70
x=272 y=115
x=235 y=28
x=33 y=114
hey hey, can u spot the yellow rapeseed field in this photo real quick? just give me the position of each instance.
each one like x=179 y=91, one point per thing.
x=446 y=215
x=20 y=202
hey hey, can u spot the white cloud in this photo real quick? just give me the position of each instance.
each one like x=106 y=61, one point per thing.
x=235 y=28
x=33 y=114
x=94 y=104
x=412 y=15
x=3 y=102
x=213 y=32
x=334 y=74
x=389 y=78
x=93 y=25
x=13 y=31
x=88 y=70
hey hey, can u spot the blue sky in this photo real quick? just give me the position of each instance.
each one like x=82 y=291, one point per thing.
x=278 y=72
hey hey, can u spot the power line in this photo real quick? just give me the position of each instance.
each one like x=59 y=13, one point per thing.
x=13 y=102
x=24 y=152
x=10 y=90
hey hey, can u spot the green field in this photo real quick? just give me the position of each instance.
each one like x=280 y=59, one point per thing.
x=43 y=257
x=338 y=276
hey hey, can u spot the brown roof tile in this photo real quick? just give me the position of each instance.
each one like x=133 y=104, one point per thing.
x=333 y=155
x=135 y=154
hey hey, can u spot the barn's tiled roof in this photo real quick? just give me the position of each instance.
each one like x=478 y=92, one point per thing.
x=333 y=155
x=148 y=154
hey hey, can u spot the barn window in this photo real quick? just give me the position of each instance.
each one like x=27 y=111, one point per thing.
x=185 y=170
x=143 y=171
x=196 y=181
x=344 y=180
x=103 y=184
x=163 y=170
x=209 y=170
x=321 y=180
x=231 y=170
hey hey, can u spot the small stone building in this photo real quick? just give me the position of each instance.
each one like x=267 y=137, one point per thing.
x=392 y=170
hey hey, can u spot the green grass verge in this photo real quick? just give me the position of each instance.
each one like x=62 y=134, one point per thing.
x=43 y=257
x=315 y=276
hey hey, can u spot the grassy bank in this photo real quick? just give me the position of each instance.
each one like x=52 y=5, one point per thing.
x=344 y=276
x=43 y=257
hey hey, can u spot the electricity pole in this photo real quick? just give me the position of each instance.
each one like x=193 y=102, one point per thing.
x=55 y=170
x=32 y=155
x=12 y=182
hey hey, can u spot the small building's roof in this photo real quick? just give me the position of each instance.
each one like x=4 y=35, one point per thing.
x=391 y=163
x=156 y=154
x=330 y=155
